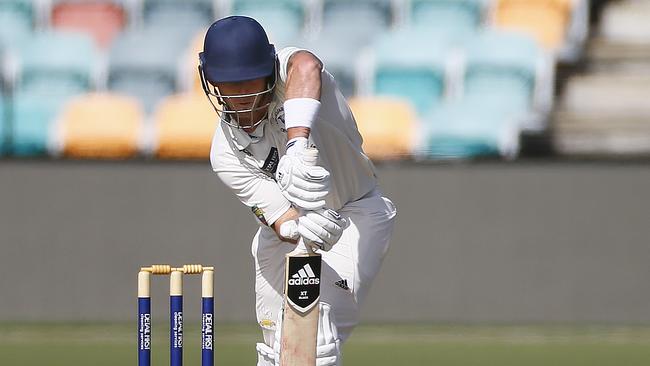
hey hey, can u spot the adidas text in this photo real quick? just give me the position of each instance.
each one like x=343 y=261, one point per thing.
x=304 y=281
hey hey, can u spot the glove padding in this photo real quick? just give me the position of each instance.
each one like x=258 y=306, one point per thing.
x=266 y=355
x=301 y=181
x=328 y=344
x=321 y=229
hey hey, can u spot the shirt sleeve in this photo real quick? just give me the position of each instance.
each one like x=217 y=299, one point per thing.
x=285 y=55
x=257 y=191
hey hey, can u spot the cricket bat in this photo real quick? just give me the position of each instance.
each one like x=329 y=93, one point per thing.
x=301 y=298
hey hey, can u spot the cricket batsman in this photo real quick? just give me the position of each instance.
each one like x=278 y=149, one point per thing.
x=273 y=108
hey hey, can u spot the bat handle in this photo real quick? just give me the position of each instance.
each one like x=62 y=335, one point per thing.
x=310 y=158
x=302 y=247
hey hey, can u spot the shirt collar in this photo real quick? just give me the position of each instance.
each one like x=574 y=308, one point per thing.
x=241 y=139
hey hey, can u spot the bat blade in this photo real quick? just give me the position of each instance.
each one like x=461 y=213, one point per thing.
x=301 y=297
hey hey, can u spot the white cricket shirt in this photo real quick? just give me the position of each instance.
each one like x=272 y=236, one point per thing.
x=246 y=163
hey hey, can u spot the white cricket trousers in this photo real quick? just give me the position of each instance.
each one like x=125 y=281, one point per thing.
x=348 y=269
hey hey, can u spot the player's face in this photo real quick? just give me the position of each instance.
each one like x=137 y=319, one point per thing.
x=245 y=100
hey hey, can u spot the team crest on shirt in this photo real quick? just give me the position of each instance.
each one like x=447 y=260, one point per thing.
x=259 y=213
x=277 y=116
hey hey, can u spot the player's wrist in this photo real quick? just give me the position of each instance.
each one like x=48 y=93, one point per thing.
x=300 y=112
x=297 y=145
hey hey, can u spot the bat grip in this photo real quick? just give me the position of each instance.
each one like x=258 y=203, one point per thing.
x=310 y=158
x=302 y=247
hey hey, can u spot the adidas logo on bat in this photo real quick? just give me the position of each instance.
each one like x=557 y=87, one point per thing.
x=305 y=276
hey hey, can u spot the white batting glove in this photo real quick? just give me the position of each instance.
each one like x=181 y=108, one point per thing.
x=301 y=181
x=289 y=230
x=321 y=229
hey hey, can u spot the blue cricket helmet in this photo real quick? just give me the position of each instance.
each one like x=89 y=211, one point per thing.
x=236 y=48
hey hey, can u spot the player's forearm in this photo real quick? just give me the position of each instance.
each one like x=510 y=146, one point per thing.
x=291 y=214
x=297 y=132
x=303 y=76
x=303 y=83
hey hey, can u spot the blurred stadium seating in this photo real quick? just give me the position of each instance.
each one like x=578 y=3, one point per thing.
x=356 y=22
x=100 y=126
x=336 y=55
x=559 y=25
x=499 y=77
x=456 y=16
x=283 y=20
x=626 y=21
x=388 y=126
x=102 y=19
x=16 y=21
x=144 y=64
x=603 y=111
x=184 y=17
x=57 y=63
x=500 y=71
x=184 y=126
x=33 y=119
x=415 y=73
x=465 y=131
x=477 y=73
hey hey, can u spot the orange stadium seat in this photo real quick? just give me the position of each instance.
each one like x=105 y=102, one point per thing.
x=388 y=126
x=102 y=19
x=184 y=126
x=103 y=126
x=546 y=20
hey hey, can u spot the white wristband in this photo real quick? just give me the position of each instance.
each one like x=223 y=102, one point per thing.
x=300 y=112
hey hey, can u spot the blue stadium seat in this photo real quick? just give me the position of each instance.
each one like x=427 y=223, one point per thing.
x=283 y=20
x=57 y=63
x=186 y=16
x=450 y=15
x=501 y=70
x=16 y=21
x=467 y=131
x=33 y=116
x=357 y=21
x=144 y=64
x=415 y=72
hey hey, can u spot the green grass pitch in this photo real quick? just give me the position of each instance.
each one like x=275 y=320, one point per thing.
x=413 y=345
